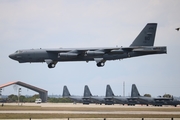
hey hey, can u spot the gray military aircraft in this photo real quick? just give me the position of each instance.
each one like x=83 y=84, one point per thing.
x=159 y=101
x=142 y=45
x=93 y=99
x=66 y=94
x=120 y=99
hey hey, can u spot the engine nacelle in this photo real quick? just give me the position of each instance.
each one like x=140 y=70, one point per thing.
x=119 y=51
x=67 y=54
x=94 y=53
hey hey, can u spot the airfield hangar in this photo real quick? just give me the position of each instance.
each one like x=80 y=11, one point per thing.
x=42 y=93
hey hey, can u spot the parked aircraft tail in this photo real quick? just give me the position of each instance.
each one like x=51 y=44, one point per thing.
x=87 y=92
x=109 y=92
x=134 y=91
x=66 y=92
x=146 y=36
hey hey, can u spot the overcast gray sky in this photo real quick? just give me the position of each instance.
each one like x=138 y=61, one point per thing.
x=90 y=23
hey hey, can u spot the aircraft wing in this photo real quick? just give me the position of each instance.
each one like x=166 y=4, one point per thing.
x=94 y=52
x=81 y=49
x=97 y=54
x=112 y=50
x=85 y=51
x=67 y=52
x=162 y=98
x=150 y=49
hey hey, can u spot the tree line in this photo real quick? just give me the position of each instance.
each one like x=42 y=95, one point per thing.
x=31 y=99
x=14 y=98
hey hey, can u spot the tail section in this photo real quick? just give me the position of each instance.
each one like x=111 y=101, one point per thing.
x=87 y=92
x=66 y=92
x=134 y=91
x=109 y=92
x=146 y=36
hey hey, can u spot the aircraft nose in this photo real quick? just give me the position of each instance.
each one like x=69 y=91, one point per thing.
x=12 y=56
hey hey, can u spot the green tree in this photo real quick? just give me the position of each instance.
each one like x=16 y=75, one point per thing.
x=36 y=96
x=30 y=99
x=12 y=98
x=167 y=95
x=59 y=100
x=22 y=98
x=147 y=95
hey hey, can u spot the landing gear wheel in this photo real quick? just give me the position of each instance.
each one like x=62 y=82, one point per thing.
x=100 y=64
x=51 y=65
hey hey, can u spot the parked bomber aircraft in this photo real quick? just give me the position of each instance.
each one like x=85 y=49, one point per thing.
x=159 y=101
x=142 y=45
x=119 y=99
x=66 y=94
x=87 y=98
x=92 y=99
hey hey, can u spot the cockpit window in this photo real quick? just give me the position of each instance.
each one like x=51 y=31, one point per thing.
x=19 y=51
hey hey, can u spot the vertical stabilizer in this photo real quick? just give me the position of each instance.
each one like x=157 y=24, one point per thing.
x=87 y=92
x=66 y=92
x=146 y=36
x=134 y=91
x=109 y=92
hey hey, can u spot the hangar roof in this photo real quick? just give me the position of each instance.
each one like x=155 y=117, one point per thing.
x=24 y=85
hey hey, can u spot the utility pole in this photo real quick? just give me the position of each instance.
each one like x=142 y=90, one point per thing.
x=0 y=92
x=19 y=93
x=123 y=88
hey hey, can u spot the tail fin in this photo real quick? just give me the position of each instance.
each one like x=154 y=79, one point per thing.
x=146 y=36
x=109 y=92
x=87 y=92
x=66 y=92
x=134 y=91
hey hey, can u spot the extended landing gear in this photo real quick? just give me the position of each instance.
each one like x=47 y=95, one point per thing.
x=51 y=65
x=100 y=64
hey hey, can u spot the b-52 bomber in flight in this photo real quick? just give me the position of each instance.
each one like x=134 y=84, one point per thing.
x=142 y=45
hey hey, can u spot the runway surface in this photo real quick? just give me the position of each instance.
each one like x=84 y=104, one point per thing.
x=100 y=119
x=94 y=109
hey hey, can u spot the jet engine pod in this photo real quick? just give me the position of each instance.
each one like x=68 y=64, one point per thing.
x=119 y=51
x=67 y=54
x=95 y=53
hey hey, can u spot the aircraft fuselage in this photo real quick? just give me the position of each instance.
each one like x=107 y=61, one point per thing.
x=41 y=55
x=142 y=45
